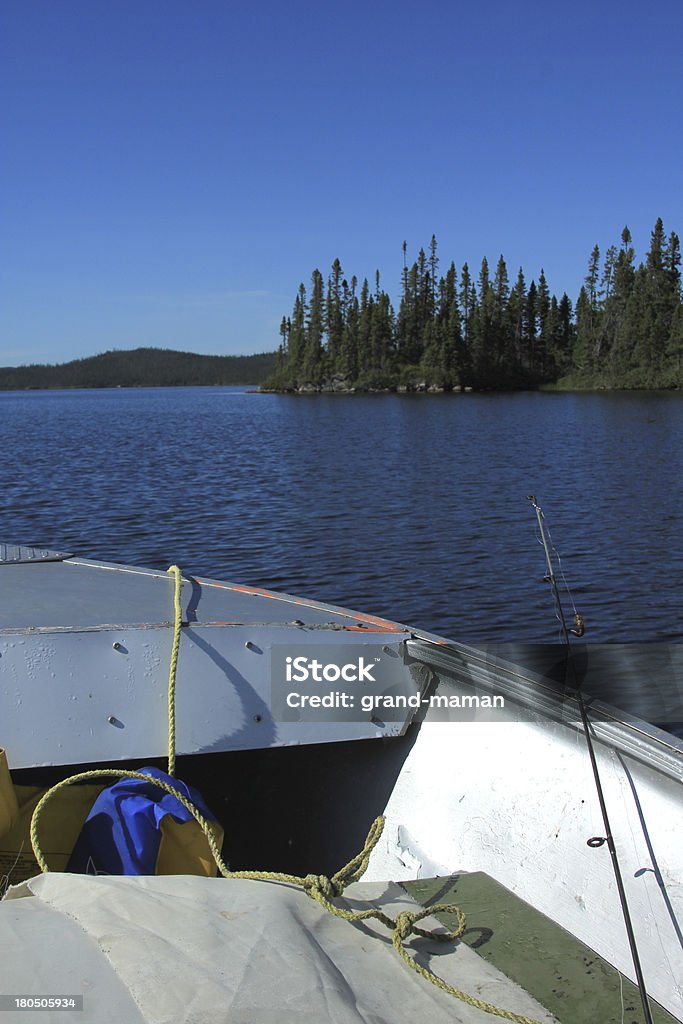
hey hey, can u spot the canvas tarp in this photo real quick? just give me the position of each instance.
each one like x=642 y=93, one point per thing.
x=198 y=950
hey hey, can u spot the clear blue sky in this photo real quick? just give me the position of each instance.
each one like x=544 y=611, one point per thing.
x=173 y=170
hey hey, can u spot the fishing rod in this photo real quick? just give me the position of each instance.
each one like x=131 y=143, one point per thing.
x=608 y=837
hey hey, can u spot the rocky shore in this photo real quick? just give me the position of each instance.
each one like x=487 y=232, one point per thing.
x=339 y=384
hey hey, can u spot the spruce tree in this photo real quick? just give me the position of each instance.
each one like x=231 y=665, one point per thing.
x=544 y=344
x=515 y=320
x=381 y=337
x=334 y=317
x=562 y=354
x=349 y=359
x=297 y=337
x=450 y=336
x=500 y=341
x=468 y=313
x=483 y=341
x=618 y=284
x=672 y=269
x=365 y=329
x=654 y=343
x=530 y=336
x=409 y=317
x=313 y=368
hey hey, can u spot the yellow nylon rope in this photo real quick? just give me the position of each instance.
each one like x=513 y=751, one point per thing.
x=177 y=625
x=318 y=887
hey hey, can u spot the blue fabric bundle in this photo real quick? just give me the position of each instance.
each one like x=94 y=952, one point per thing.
x=122 y=833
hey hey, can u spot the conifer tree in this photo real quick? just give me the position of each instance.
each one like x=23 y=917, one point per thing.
x=334 y=318
x=672 y=269
x=381 y=334
x=562 y=353
x=297 y=335
x=530 y=357
x=364 y=328
x=500 y=339
x=675 y=350
x=550 y=339
x=285 y=328
x=468 y=309
x=468 y=305
x=515 y=320
x=618 y=278
x=451 y=349
x=433 y=271
x=584 y=326
x=312 y=367
x=671 y=266
x=653 y=344
x=482 y=346
x=544 y=344
x=409 y=318
x=349 y=358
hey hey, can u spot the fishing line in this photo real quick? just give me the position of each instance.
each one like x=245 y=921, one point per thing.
x=559 y=564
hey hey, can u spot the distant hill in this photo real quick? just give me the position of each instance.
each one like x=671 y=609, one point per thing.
x=141 y=367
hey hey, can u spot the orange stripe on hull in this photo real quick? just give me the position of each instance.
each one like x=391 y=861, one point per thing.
x=385 y=625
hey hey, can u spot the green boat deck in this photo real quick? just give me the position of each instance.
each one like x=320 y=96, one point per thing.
x=563 y=974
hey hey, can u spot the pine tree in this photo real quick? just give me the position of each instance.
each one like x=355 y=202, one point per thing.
x=450 y=336
x=433 y=271
x=562 y=354
x=544 y=344
x=583 y=349
x=468 y=304
x=297 y=336
x=672 y=269
x=638 y=329
x=285 y=329
x=364 y=329
x=381 y=335
x=408 y=330
x=423 y=292
x=468 y=311
x=530 y=329
x=312 y=366
x=484 y=334
x=550 y=339
x=334 y=317
x=616 y=303
x=671 y=266
x=675 y=350
x=591 y=281
x=515 y=320
x=653 y=345
x=349 y=357
x=500 y=335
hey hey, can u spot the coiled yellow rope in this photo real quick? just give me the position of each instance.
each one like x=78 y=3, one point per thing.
x=318 y=887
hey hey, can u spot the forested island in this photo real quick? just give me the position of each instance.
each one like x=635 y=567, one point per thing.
x=141 y=367
x=454 y=332
x=451 y=332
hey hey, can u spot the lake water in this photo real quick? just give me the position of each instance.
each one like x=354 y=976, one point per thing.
x=410 y=507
